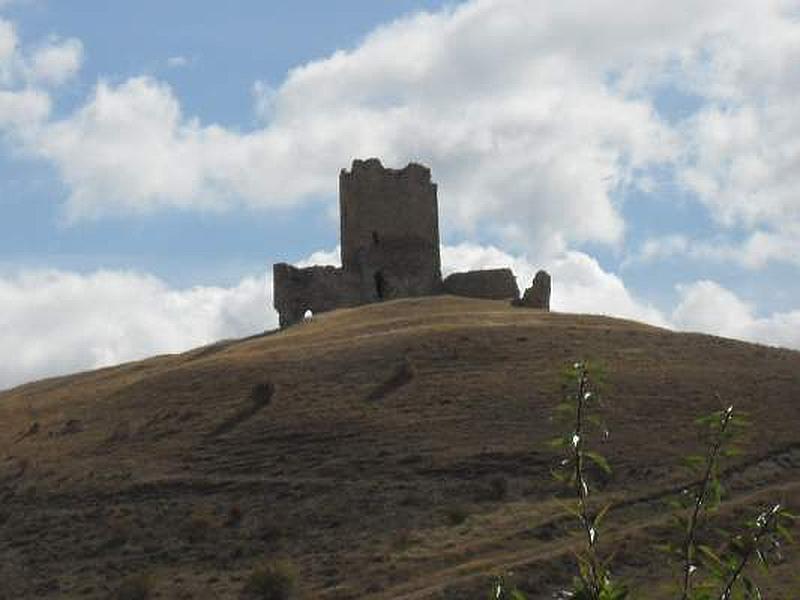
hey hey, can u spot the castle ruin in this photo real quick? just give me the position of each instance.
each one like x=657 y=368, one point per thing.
x=389 y=221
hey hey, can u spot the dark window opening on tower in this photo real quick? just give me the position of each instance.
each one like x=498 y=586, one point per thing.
x=380 y=285
x=375 y=239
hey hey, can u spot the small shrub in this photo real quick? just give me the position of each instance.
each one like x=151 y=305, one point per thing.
x=498 y=488
x=134 y=587
x=118 y=529
x=404 y=540
x=456 y=514
x=262 y=393
x=234 y=516
x=275 y=580
x=197 y=528
x=271 y=532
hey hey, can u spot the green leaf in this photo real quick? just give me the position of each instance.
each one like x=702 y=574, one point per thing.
x=713 y=418
x=565 y=408
x=669 y=549
x=594 y=420
x=601 y=515
x=730 y=452
x=713 y=495
x=599 y=460
x=694 y=462
x=573 y=510
x=710 y=554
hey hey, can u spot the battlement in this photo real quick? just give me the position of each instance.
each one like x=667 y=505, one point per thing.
x=373 y=167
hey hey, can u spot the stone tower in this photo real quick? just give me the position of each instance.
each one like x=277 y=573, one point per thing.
x=390 y=230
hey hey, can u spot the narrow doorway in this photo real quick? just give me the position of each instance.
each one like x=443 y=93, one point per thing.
x=380 y=285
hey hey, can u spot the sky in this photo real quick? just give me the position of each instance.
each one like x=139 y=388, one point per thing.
x=157 y=157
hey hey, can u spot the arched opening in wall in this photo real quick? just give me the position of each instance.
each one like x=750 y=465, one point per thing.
x=308 y=315
x=380 y=285
x=375 y=239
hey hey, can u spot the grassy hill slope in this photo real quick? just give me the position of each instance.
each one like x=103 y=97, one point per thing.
x=391 y=451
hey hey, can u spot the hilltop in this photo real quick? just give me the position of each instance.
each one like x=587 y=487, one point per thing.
x=391 y=451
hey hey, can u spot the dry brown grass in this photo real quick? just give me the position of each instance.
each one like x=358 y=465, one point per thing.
x=378 y=420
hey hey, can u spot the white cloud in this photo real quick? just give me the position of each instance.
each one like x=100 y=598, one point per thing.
x=745 y=161
x=743 y=146
x=8 y=51
x=129 y=144
x=24 y=105
x=178 y=62
x=23 y=109
x=754 y=252
x=659 y=248
x=707 y=307
x=51 y=63
x=56 y=62
x=263 y=100
x=8 y=41
x=322 y=257
x=54 y=322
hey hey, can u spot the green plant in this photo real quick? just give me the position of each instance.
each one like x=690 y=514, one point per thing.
x=763 y=537
x=728 y=578
x=274 y=580
x=712 y=570
x=720 y=429
x=594 y=580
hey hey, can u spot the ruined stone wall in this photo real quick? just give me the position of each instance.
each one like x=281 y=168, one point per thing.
x=491 y=284
x=318 y=289
x=538 y=295
x=390 y=249
x=390 y=230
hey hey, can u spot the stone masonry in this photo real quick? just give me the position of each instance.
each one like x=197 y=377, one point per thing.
x=538 y=295
x=491 y=284
x=390 y=249
x=390 y=230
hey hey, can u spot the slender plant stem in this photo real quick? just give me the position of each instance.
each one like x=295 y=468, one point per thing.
x=580 y=483
x=763 y=527
x=688 y=554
